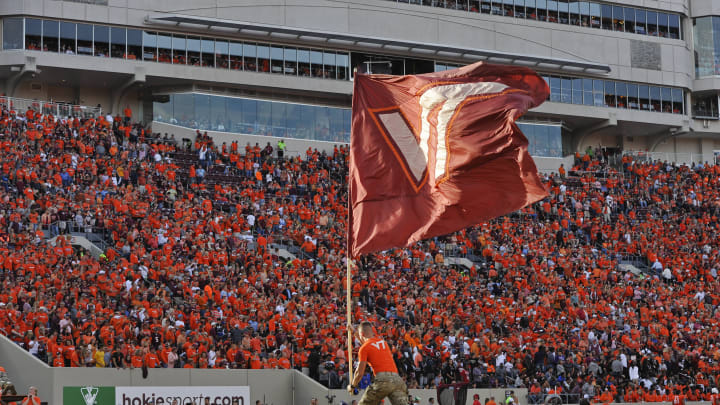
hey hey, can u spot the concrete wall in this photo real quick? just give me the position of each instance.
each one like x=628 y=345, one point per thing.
x=272 y=387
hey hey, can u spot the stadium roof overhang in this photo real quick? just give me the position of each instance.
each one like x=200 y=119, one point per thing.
x=335 y=38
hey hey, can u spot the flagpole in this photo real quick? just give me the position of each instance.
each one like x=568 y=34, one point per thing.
x=349 y=318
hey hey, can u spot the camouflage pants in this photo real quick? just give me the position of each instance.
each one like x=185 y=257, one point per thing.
x=388 y=385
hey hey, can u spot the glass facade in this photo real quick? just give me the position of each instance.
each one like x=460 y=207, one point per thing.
x=133 y=44
x=610 y=93
x=610 y=17
x=544 y=140
x=705 y=106
x=255 y=117
x=299 y=121
x=12 y=33
x=707 y=46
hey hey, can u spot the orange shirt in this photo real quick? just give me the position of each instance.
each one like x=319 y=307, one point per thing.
x=376 y=352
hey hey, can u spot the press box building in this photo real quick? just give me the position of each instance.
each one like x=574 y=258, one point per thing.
x=641 y=76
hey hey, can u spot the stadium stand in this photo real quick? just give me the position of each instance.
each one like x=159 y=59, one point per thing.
x=190 y=276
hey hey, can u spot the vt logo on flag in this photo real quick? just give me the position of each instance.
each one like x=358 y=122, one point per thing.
x=431 y=154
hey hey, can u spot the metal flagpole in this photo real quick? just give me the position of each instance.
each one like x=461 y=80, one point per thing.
x=349 y=318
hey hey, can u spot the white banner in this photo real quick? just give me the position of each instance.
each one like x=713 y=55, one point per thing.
x=182 y=395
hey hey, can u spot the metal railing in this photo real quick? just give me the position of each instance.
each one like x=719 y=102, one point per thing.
x=57 y=109
x=672 y=157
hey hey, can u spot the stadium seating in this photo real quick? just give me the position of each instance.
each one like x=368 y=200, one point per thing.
x=189 y=276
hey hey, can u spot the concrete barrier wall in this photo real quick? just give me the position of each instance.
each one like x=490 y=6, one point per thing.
x=271 y=387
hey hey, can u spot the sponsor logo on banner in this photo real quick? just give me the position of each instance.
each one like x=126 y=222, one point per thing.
x=89 y=395
x=183 y=395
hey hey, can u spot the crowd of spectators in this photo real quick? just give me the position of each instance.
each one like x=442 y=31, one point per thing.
x=189 y=276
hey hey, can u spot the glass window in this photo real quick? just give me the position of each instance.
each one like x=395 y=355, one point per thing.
x=329 y=62
x=33 y=33
x=555 y=89
x=51 y=35
x=621 y=94
x=218 y=113
x=584 y=14
x=278 y=120
x=497 y=7
x=574 y=12
x=292 y=119
x=249 y=116
x=234 y=113
x=566 y=95
x=530 y=10
x=179 y=49
x=250 y=57
x=577 y=91
x=644 y=97
x=599 y=93
x=134 y=44
x=184 y=110
x=662 y=25
x=150 y=46
x=263 y=58
x=306 y=122
x=520 y=8
x=595 y=15
x=13 y=33
x=322 y=123
x=610 y=98
x=655 y=99
x=316 y=62
x=541 y=9
x=264 y=117
x=67 y=37
x=540 y=136
x=674 y=26
x=202 y=111
x=705 y=106
x=207 y=52
x=552 y=11
x=343 y=62
x=678 y=97
x=485 y=6
x=652 y=28
x=632 y=96
x=508 y=8
x=290 y=61
x=640 y=21
x=303 y=57
x=193 y=51
x=84 y=39
x=101 y=40
x=666 y=99
x=606 y=11
x=222 y=55
x=629 y=19
x=618 y=19
x=276 y=59
x=164 y=44
x=118 y=39
x=563 y=12
x=588 y=98
x=236 y=56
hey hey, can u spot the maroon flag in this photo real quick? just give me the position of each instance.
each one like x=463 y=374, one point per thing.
x=431 y=154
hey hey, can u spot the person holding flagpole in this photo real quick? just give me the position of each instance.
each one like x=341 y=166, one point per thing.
x=376 y=352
